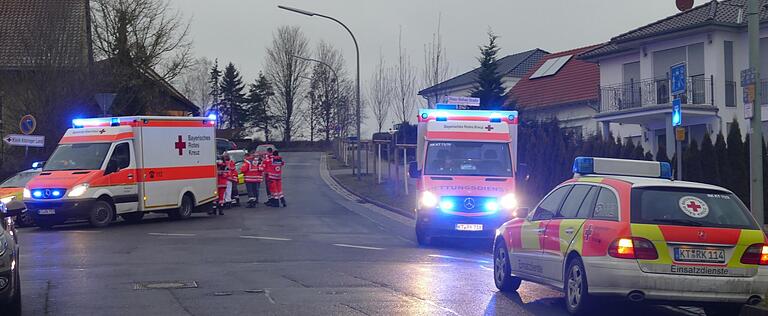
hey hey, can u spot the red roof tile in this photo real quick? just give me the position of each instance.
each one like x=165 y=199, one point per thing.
x=577 y=81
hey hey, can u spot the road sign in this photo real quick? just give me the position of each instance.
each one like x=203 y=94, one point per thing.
x=748 y=77
x=462 y=101
x=25 y=140
x=27 y=124
x=680 y=134
x=678 y=78
x=677 y=113
x=105 y=101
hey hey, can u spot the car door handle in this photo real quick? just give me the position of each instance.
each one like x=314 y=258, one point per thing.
x=569 y=230
x=539 y=231
x=130 y=176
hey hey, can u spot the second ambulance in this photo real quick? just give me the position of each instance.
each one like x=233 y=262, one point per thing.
x=126 y=166
x=623 y=229
x=466 y=164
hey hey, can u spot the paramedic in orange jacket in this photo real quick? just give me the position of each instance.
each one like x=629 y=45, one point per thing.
x=222 y=180
x=266 y=159
x=253 y=174
x=274 y=173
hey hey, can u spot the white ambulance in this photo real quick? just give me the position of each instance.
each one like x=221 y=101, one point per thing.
x=126 y=166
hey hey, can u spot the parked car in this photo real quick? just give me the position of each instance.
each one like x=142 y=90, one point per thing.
x=10 y=282
x=12 y=189
x=223 y=145
x=263 y=149
x=238 y=156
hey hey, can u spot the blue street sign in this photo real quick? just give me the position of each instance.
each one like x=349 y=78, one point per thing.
x=28 y=124
x=678 y=76
x=677 y=113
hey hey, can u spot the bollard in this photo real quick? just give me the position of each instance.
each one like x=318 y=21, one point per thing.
x=378 y=163
x=405 y=169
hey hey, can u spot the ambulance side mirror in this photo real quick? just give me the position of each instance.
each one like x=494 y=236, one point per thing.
x=522 y=212
x=413 y=170
x=14 y=208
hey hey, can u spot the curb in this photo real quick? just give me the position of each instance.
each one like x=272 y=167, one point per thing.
x=369 y=200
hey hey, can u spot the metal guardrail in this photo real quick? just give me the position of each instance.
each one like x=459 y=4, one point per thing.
x=651 y=92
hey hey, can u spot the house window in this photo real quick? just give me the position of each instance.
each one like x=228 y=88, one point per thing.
x=576 y=131
x=730 y=84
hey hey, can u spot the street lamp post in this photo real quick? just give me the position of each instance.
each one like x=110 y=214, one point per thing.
x=357 y=78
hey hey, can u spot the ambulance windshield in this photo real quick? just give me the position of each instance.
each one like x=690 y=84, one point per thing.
x=468 y=159
x=87 y=156
x=689 y=207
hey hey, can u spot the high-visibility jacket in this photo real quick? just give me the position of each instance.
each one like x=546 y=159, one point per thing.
x=274 y=168
x=222 y=178
x=252 y=171
x=231 y=171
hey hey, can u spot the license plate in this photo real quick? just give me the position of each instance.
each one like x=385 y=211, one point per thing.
x=684 y=254
x=46 y=212
x=469 y=227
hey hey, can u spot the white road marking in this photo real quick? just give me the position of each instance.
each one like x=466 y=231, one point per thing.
x=459 y=258
x=266 y=238
x=486 y=268
x=81 y=231
x=172 y=235
x=358 y=247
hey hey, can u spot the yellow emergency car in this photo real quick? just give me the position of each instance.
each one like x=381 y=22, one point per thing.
x=622 y=228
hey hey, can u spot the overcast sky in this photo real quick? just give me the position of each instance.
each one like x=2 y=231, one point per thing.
x=240 y=30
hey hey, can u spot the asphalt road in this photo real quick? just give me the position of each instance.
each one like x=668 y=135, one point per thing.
x=325 y=254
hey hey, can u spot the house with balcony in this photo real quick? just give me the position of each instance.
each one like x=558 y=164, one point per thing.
x=711 y=39
x=567 y=89
x=512 y=67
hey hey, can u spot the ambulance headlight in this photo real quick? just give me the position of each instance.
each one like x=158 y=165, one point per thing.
x=508 y=201
x=27 y=194
x=78 y=190
x=428 y=199
x=7 y=199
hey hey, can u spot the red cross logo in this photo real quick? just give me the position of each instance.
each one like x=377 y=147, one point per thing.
x=180 y=145
x=489 y=128
x=102 y=131
x=693 y=206
x=588 y=232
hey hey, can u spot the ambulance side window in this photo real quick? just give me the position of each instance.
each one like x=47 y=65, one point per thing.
x=121 y=158
x=550 y=205
x=607 y=205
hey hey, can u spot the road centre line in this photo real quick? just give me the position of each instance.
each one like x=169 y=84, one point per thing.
x=172 y=234
x=358 y=247
x=266 y=238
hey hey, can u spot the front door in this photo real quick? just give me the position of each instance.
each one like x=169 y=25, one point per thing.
x=562 y=230
x=121 y=171
x=527 y=259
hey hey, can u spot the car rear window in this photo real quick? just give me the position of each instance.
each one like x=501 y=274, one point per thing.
x=689 y=207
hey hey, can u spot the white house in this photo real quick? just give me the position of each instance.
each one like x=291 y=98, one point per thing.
x=512 y=67
x=634 y=72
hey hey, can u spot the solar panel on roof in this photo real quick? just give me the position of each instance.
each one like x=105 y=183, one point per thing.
x=551 y=67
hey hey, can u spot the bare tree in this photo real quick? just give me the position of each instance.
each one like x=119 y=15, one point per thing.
x=436 y=66
x=380 y=92
x=146 y=33
x=286 y=72
x=325 y=87
x=193 y=83
x=405 y=83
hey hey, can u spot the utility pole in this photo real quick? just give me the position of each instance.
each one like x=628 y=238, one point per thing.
x=756 y=124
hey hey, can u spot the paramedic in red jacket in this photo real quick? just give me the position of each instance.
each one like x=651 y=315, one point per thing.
x=274 y=173
x=266 y=159
x=234 y=196
x=253 y=174
x=222 y=180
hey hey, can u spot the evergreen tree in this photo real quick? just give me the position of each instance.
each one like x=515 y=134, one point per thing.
x=738 y=175
x=692 y=162
x=257 y=109
x=232 y=97
x=661 y=154
x=709 y=164
x=488 y=86
x=214 y=81
x=721 y=155
x=628 y=150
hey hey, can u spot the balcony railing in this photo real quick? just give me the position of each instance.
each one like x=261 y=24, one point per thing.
x=652 y=92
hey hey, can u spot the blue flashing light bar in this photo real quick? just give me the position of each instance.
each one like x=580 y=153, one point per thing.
x=444 y=114
x=48 y=193
x=446 y=205
x=443 y=106
x=95 y=122
x=37 y=193
x=622 y=167
x=212 y=116
x=492 y=206
x=115 y=121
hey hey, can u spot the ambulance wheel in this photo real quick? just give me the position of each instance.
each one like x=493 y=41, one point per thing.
x=502 y=272
x=133 y=217
x=185 y=210
x=577 y=299
x=422 y=237
x=101 y=214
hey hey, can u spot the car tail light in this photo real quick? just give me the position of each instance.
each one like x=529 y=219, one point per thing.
x=755 y=254
x=633 y=248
